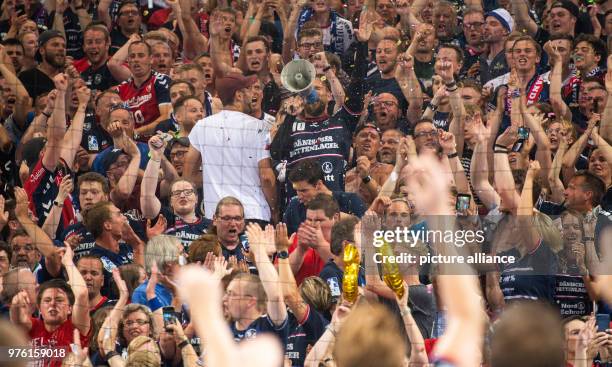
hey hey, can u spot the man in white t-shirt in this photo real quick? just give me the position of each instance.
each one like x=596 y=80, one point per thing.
x=232 y=148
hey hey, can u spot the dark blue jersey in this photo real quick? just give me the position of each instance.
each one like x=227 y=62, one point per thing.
x=333 y=276
x=442 y=120
x=348 y=202
x=110 y=261
x=326 y=139
x=87 y=240
x=532 y=277
x=571 y=296
x=99 y=79
x=144 y=158
x=261 y=325
x=95 y=139
x=303 y=333
x=187 y=232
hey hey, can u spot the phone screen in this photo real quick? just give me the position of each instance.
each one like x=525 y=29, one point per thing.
x=463 y=203
x=523 y=133
x=20 y=9
x=603 y=321
x=169 y=315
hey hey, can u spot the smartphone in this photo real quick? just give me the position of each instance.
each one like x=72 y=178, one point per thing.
x=603 y=321
x=596 y=106
x=523 y=133
x=20 y=9
x=463 y=203
x=244 y=240
x=169 y=316
x=518 y=145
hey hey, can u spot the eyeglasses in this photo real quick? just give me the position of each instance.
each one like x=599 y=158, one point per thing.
x=398 y=215
x=431 y=133
x=178 y=154
x=130 y=13
x=475 y=25
x=311 y=45
x=177 y=193
x=227 y=218
x=26 y=248
x=129 y=323
x=385 y=103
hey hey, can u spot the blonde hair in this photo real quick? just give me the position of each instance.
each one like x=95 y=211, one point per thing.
x=549 y=231
x=315 y=291
x=370 y=336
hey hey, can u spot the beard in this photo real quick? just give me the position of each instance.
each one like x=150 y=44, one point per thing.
x=57 y=61
x=314 y=109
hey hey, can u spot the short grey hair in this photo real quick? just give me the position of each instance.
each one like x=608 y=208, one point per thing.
x=161 y=249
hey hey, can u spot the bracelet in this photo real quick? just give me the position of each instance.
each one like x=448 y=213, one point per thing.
x=501 y=146
x=404 y=311
x=501 y=151
x=451 y=85
x=155 y=160
x=432 y=106
x=58 y=204
x=183 y=344
x=331 y=329
x=46 y=115
x=452 y=89
x=453 y=155
x=327 y=68
x=154 y=304
x=111 y=354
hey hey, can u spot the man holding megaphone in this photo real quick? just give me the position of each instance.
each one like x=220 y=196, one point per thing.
x=307 y=130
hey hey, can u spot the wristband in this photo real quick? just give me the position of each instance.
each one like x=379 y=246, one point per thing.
x=501 y=146
x=111 y=354
x=451 y=85
x=58 y=204
x=183 y=344
x=46 y=115
x=432 y=106
x=154 y=304
x=366 y=180
x=327 y=68
x=453 y=155
x=404 y=311
x=501 y=151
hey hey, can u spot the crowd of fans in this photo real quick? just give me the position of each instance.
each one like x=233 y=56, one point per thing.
x=169 y=198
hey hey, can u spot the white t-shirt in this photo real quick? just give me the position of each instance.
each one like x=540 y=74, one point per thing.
x=232 y=144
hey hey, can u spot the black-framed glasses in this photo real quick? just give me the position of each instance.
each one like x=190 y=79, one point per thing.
x=178 y=193
x=431 y=133
x=473 y=25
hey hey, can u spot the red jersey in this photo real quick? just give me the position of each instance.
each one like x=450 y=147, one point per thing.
x=82 y=64
x=42 y=188
x=144 y=101
x=62 y=337
x=312 y=264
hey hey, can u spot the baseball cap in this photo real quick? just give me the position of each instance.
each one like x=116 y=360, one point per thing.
x=232 y=82
x=45 y=37
x=504 y=18
x=110 y=158
x=365 y=125
x=567 y=5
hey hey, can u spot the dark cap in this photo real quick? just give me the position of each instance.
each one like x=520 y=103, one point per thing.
x=45 y=37
x=232 y=82
x=48 y=35
x=365 y=125
x=567 y=5
x=110 y=158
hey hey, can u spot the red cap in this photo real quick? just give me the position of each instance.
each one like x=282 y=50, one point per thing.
x=228 y=85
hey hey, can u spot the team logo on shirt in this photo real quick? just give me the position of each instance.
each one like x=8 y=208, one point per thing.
x=97 y=79
x=108 y=265
x=334 y=286
x=249 y=334
x=327 y=167
x=92 y=143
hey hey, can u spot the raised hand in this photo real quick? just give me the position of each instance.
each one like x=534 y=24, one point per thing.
x=61 y=82
x=159 y=227
x=65 y=189
x=446 y=71
x=508 y=137
x=363 y=166
x=380 y=204
x=447 y=141
x=4 y=215
x=220 y=267
x=84 y=95
x=21 y=203
x=282 y=240
x=121 y=285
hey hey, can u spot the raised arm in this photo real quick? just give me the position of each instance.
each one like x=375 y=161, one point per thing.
x=525 y=210
x=520 y=10
x=125 y=186
x=80 y=310
x=55 y=214
x=554 y=180
x=268 y=186
x=504 y=181
x=605 y=129
x=58 y=17
x=556 y=82
x=194 y=42
x=479 y=170
x=19 y=311
x=259 y=241
x=201 y=291
x=219 y=49
x=418 y=354
x=149 y=203
x=108 y=331
x=405 y=153
x=289 y=41
x=115 y=64
x=72 y=139
x=543 y=152
x=193 y=163
x=41 y=240
x=288 y=285
x=409 y=84
x=571 y=157
x=57 y=126
x=103 y=13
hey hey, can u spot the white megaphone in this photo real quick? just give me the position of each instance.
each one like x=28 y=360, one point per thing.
x=297 y=76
